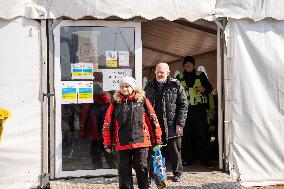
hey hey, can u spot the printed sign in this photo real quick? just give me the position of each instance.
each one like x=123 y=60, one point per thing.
x=123 y=58
x=73 y=92
x=68 y=92
x=85 y=92
x=82 y=71
x=111 y=59
x=111 y=78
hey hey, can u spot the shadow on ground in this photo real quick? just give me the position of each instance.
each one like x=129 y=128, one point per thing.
x=223 y=185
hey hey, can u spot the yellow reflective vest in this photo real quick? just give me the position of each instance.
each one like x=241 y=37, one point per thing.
x=193 y=96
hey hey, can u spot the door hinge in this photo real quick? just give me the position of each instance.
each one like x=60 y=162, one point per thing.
x=48 y=95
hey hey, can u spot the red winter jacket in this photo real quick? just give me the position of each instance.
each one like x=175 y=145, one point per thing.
x=131 y=122
x=93 y=116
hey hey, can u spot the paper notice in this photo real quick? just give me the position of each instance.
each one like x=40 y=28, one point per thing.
x=82 y=71
x=123 y=58
x=111 y=78
x=68 y=92
x=111 y=59
x=85 y=92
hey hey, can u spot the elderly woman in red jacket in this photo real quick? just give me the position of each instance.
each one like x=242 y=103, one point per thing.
x=132 y=125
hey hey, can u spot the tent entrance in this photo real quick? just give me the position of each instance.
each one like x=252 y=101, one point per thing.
x=165 y=41
x=137 y=47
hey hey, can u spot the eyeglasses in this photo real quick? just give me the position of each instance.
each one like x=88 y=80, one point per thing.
x=160 y=72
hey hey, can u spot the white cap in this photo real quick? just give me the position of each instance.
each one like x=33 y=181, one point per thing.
x=202 y=69
x=129 y=81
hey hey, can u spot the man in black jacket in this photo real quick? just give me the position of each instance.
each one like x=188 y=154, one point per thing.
x=197 y=88
x=169 y=101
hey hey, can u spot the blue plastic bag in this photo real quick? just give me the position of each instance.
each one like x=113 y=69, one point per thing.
x=159 y=166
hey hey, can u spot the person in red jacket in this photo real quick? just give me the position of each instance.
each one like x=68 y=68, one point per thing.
x=93 y=116
x=132 y=125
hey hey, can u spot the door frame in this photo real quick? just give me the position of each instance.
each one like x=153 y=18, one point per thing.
x=223 y=99
x=55 y=79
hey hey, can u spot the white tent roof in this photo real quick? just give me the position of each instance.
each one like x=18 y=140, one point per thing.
x=190 y=10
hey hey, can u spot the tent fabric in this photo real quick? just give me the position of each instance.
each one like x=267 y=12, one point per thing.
x=256 y=10
x=20 y=148
x=257 y=100
x=190 y=10
x=76 y=9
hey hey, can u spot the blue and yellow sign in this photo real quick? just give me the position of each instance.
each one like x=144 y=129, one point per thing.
x=85 y=93
x=69 y=93
x=76 y=72
x=88 y=72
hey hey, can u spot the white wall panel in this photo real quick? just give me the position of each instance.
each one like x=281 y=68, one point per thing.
x=257 y=98
x=20 y=149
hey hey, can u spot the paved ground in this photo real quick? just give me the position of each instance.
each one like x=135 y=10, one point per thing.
x=194 y=177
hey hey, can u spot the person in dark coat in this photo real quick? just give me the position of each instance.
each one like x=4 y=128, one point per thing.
x=197 y=88
x=170 y=104
x=132 y=125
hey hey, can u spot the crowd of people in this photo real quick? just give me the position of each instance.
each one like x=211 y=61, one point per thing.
x=179 y=113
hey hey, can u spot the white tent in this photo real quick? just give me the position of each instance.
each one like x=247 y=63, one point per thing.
x=20 y=84
x=252 y=79
x=149 y=9
x=257 y=99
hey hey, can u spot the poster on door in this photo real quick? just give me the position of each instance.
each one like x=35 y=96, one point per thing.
x=74 y=92
x=68 y=92
x=85 y=92
x=82 y=71
x=111 y=59
x=111 y=78
x=123 y=58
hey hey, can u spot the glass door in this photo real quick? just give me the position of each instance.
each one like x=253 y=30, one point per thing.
x=89 y=60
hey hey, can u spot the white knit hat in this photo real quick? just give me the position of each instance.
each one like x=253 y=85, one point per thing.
x=129 y=81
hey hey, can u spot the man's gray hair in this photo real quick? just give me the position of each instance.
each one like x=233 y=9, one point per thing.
x=164 y=64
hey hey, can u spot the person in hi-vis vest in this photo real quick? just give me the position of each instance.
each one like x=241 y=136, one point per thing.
x=195 y=137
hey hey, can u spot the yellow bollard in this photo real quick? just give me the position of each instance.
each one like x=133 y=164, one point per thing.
x=4 y=114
